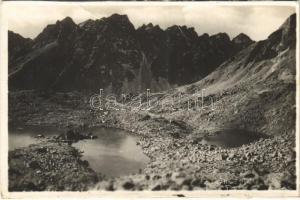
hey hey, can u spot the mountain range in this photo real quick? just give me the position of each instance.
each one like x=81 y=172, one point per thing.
x=110 y=53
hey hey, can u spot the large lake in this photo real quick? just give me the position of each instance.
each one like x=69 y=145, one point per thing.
x=114 y=153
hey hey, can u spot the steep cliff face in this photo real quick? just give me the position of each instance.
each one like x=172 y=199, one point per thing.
x=110 y=53
x=18 y=47
x=283 y=38
x=180 y=56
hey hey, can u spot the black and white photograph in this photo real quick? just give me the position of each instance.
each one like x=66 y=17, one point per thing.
x=151 y=97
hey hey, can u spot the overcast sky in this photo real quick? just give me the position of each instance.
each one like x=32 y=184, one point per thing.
x=256 y=21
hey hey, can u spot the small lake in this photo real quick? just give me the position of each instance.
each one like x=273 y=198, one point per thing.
x=231 y=138
x=114 y=153
x=24 y=136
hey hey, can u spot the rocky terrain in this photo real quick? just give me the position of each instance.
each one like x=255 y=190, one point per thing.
x=49 y=166
x=252 y=90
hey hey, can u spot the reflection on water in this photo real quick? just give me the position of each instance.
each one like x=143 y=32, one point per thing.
x=113 y=153
x=231 y=138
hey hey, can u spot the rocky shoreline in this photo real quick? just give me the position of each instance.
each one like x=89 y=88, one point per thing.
x=178 y=161
x=176 y=164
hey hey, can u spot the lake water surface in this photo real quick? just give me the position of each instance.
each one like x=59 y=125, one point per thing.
x=114 y=153
x=230 y=138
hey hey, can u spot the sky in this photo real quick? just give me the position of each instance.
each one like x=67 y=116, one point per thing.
x=257 y=21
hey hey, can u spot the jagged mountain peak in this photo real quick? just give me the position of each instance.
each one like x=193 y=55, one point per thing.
x=66 y=21
x=290 y=23
x=114 y=18
x=278 y=41
x=204 y=36
x=86 y=24
x=149 y=25
x=62 y=30
x=18 y=46
x=241 y=41
x=221 y=36
x=117 y=18
x=181 y=28
x=149 y=28
x=242 y=38
x=66 y=26
x=285 y=30
x=117 y=22
x=187 y=33
x=17 y=36
x=288 y=29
